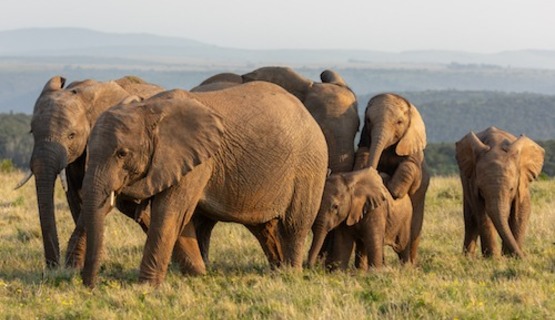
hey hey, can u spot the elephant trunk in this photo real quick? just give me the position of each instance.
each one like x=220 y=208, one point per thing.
x=97 y=203
x=379 y=142
x=47 y=161
x=319 y=232
x=499 y=212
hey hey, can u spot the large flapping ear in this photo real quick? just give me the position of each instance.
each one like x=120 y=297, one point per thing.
x=55 y=83
x=467 y=151
x=368 y=192
x=185 y=134
x=414 y=139
x=531 y=157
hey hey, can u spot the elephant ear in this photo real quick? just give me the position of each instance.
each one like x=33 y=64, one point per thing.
x=185 y=134
x=531 y=157
x=414 y=139
x=55 y=83
x=368 y=193
x=467 y=150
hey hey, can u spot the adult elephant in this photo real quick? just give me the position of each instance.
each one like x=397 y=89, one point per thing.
x=496 y=170
x=61 y=124
x=393 y=139
x=249 y=154
x=332 y=104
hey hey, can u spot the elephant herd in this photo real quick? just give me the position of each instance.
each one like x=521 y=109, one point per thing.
x=271 y=150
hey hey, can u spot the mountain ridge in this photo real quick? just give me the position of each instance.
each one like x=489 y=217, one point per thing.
x=86 y=42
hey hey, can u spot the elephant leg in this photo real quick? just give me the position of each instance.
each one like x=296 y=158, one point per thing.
x=361 y=257
x=171 y=213
x=267 y=236
x=471 y=231
x=342 y=249
x=418 y=201
x=326 y=246
x=518 y=221
x=203 y=227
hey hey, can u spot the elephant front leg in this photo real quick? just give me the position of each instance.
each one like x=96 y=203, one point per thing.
x=487 y=236
x=342 y=248
x=518 y=221
x=171 y=213
x=470 y=230
x=203 y=227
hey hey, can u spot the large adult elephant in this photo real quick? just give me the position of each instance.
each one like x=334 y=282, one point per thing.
x=496 y=170
x=250 y=154
x=393 y=139
x=332 y=104
x=61 y=124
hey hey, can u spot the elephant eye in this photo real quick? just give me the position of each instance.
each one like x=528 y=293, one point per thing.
x=334 y=207
x=399 y=121
x=122 y=153
x=71 y=136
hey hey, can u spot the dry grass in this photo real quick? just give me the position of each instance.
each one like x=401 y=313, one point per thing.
x=240 y=284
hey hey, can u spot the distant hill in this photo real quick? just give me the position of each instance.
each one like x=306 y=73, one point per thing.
x=83 y=42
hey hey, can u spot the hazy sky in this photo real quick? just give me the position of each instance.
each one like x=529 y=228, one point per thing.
x=393 y=25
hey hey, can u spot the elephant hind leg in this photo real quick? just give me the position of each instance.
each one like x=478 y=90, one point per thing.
x=267 y=236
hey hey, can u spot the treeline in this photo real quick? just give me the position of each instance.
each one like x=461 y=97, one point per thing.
x=16 y=144
x=451 y=114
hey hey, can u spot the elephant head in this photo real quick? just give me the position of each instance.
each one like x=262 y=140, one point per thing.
x=391 y=120
x=139 y=150
x=61 y=123
x=500 y=168
x=228 y=77
x=347 y=198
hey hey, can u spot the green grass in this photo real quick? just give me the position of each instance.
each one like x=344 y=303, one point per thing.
x=240 y=284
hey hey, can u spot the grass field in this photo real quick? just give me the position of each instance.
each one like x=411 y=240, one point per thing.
x=240 y=284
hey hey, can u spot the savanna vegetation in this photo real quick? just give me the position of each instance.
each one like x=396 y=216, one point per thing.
x=444 y=285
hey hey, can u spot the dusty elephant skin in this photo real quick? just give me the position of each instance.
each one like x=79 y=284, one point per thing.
x=393 y=139
x=496 y=170
x=332 y=104
x=249 y=154
x=359 y=206
x=61 y=124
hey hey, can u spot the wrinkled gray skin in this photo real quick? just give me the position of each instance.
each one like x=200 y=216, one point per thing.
x=61 y=124
x=496 y=170
x=358 y=206
x=332 y=104
x=206 y=151
x=393 y=139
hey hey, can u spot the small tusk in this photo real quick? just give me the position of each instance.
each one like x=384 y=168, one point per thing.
x=23 y=181
x=63 y=179
x=112 y=198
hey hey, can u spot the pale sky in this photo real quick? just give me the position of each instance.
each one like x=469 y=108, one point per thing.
x=394 y=25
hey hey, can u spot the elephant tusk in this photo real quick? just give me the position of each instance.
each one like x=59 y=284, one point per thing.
x=23 y=181
x=63 y=179
x=112 y=198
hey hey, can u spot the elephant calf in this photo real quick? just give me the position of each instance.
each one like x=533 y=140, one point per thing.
x=361 y=209
x=496 y=171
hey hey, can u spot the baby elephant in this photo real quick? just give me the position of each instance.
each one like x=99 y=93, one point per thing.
x=361 y=209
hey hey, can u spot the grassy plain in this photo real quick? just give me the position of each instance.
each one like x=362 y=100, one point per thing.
x=240 y=285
